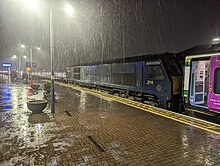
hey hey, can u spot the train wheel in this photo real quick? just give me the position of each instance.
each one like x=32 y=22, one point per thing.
x=123 y=95
x=131 y=98
x=152 y=103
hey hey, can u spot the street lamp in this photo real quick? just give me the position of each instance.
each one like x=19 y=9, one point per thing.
x=31 y=58
x=31 y=52
x=31 y=4
x=69 y=10
x=14 y=56
x=52 y=62
x=19 y=60
x=19 y=63
x=23 y=46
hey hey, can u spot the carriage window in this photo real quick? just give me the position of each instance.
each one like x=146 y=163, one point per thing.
x=199 y=82
x=217 y=81
x=155 y=72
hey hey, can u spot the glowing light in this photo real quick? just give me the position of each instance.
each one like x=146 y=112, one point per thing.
x=216 y=39
x=23 y=46
x=31 y=4
x=6 y=65
x=38 y=48
x=14 y=56
x=69 y=10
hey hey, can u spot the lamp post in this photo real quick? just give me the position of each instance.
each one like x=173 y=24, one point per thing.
x=19 y=60
x=69 y=10
x=31 y=58
x=52 y=62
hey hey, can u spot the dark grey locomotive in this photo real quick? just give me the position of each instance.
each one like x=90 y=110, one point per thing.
x=153 y=79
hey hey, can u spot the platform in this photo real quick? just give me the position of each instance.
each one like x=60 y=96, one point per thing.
x=95 y=128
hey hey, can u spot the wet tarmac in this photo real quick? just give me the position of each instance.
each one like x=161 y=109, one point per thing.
x=88 y=130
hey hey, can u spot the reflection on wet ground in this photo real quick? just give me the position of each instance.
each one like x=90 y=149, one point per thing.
x=87 y=130
x=19 y=128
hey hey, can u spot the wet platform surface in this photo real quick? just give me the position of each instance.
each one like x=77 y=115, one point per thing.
x=89 y=130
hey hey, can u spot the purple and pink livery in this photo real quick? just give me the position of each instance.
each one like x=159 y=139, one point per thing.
x=214 y=84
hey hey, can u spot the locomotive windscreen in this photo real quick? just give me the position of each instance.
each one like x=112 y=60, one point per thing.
x=172 y=67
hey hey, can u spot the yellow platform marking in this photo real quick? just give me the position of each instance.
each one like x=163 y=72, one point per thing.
x=193 y=110
x=200 y=124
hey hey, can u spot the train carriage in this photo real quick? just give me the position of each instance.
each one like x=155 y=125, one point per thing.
x=202 y=80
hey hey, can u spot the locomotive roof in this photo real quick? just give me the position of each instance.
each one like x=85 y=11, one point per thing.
x=131 y=59
x=201 y=49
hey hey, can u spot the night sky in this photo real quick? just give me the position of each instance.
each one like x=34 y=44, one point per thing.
x=106 y=29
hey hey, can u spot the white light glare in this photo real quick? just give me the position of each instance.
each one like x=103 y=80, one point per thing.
x=14 y=56
x=69 y=10
x=24 y=57
x=38 y=48
x=216 y=39
x=31 y=4
x=23 y=46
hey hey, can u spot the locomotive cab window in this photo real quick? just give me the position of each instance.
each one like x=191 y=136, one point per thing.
x=172 y=67
x=217 y=81
x=155 y=72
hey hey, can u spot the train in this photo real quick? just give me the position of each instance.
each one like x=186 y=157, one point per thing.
x=186 y=82
x=151 y=79
x=201 y=86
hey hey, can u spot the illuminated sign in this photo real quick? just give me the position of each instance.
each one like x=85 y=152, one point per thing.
x=6 y=65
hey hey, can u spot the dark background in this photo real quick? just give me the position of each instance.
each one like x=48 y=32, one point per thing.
x=106 y=29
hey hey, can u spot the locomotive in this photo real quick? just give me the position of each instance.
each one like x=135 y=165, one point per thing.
x=152 y=79
x=187 y=82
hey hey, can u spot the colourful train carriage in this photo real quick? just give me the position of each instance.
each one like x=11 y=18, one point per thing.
x=202 y=81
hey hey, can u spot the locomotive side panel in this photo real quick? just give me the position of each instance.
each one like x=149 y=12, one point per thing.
x=105 y=73
x=124 y=74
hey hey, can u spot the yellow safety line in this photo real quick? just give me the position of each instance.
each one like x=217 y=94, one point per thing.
x=200 y=112
x=145 y=108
